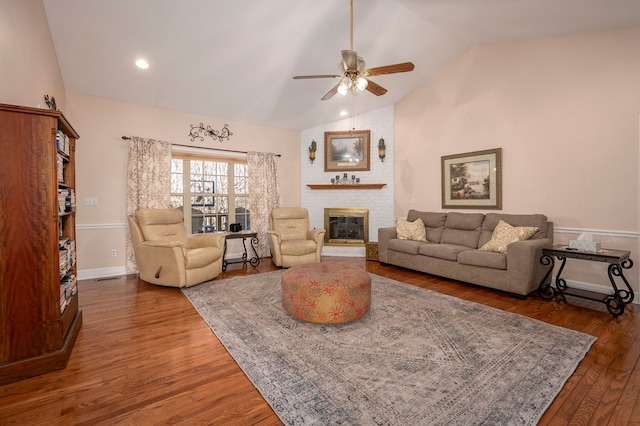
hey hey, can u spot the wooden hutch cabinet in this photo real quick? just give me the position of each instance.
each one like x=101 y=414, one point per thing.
x=39 y=315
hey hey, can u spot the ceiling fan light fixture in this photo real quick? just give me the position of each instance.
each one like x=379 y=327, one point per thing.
x=361 y=84
x=345 y=85
x=353 y=72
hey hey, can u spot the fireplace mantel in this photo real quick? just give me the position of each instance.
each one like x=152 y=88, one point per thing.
x=346 y=186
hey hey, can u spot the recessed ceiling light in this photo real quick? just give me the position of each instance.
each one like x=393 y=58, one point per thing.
x=142 y=64
x=343 y=113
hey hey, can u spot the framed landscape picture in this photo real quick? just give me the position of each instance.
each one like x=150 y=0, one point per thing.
x=472 y=180
x=346 y=151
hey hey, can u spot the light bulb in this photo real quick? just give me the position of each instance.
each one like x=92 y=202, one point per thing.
x=361 y=83
x=142 y=64
x=344 y=86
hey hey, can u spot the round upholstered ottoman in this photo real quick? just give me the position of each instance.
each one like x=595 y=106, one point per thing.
x=326 y=293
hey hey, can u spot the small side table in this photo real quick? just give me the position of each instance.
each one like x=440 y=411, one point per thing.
x=371 y=250
x=255 y=259
x=618 y=260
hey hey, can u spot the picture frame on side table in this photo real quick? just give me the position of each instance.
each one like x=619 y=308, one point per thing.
x=347 y=151
x=472 y=180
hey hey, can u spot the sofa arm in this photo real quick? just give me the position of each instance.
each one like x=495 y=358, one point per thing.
x=523 y=262
x=208 y=239
x=384 y=236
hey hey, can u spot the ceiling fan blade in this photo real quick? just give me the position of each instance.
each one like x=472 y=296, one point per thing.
x=331 y=92
x=389 y=69
x=350 y=60
x=300 y=77
x=375 y=88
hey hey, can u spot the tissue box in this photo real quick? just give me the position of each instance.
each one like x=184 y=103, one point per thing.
x=584 y=245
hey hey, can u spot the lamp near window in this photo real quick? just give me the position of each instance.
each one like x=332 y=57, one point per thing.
x=312 y=151
x=382 y=149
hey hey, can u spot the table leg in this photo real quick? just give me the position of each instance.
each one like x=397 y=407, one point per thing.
x=615 y=270
x=544 y=288
x=244 y=253
x=255 y=260
x=224 y=254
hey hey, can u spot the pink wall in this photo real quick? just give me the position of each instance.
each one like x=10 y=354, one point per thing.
x=102 y=163
x=565 y=112
x=29 y=66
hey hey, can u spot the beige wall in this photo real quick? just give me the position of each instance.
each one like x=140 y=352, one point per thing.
x=565 y=113
x=101 y=160
x=28 y=63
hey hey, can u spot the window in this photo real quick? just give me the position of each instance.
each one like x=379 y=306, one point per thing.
x=217 y=191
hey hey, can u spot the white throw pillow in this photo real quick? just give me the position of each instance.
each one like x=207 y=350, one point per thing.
x=414 y=231
x=505 y=234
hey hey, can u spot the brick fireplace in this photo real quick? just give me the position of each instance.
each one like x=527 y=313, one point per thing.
x=379 y=202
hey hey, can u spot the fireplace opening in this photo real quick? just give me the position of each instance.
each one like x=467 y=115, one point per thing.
x=346 y=226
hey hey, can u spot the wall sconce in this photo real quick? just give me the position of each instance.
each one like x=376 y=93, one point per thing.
x=382 y=150
x=312 y=151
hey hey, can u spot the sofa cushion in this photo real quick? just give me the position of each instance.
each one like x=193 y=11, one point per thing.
x=433 y=222
x=505 y=234
x=460 y=237
x=414 y=231
x=467 y=221
x=486 y=259
x=492 y=219
x=405 y=246
x=442 y=251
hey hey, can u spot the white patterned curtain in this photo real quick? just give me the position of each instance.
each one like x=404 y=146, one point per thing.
x=264 y=195
x=148 y=182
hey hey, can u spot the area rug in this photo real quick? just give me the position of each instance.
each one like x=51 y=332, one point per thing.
x=417 y=358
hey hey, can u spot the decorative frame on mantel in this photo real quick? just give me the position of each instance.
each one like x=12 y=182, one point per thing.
x=472 y=180
x=347 y=151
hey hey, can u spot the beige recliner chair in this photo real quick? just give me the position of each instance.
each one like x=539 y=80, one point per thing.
x=167 y=256
x=291 y=241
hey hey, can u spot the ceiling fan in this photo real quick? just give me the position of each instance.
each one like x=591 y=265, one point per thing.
x=355 y=77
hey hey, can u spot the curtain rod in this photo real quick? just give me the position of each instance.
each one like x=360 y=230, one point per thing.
x=200 y=147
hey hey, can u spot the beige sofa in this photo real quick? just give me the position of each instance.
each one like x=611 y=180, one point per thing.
x=452 y=249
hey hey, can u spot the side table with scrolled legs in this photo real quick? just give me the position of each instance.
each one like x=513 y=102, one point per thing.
x=618 y=261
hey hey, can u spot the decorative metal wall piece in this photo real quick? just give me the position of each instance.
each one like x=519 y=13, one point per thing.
x=51 y=102
x=200 y=131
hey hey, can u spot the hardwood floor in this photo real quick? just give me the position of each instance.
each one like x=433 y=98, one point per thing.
x=144 y=356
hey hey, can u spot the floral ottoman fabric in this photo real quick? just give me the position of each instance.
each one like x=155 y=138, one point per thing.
x=326 y=293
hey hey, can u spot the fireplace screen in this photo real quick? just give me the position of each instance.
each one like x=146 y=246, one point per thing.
x=346 y=226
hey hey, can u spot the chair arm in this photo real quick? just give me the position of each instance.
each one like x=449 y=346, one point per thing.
x=162 y=262
x=208 y=239
x=274 y=236
x=316 y=235
x=161 y=244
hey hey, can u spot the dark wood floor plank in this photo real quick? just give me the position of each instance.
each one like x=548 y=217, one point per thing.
x=145 y=356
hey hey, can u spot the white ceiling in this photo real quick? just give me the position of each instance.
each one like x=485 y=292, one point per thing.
x=234 y=60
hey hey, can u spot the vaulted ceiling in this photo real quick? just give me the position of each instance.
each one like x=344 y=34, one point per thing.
x=235 y=60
